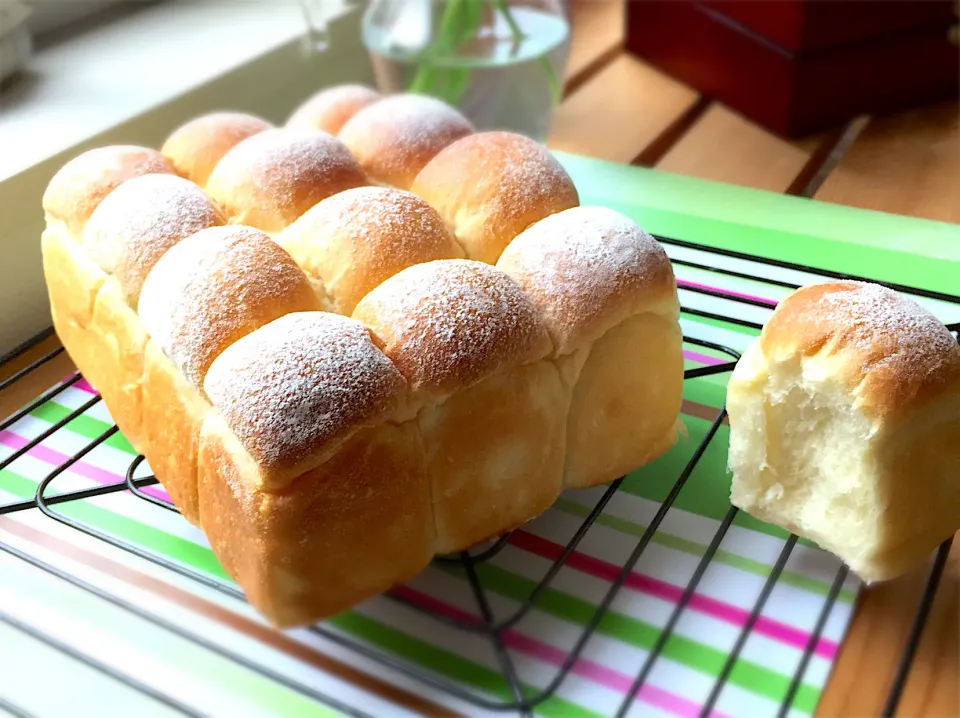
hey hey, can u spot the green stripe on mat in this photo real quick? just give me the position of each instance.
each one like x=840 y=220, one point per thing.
x=441 y=661
x=710 y=661
x=84 y=425
x=678 y=543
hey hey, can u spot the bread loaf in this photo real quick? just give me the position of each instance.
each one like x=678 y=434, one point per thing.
x=324 y=375
x=844 y=426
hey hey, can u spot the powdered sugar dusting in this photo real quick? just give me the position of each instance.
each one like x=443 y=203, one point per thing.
x=357 y=239
x=875 y=316
x=394 y=138
x=216 y=286
x=585 y=264
x=271 y=178
x=300 y=381
x=493 y=185
x=330 y=109
x=449 y=323
x=140 y=220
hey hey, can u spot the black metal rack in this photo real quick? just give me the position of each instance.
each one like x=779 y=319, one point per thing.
x=491 y=627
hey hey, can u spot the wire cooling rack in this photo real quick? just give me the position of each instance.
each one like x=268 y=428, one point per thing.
x=683 y=254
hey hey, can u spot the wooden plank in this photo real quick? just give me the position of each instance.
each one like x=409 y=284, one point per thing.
x=36 y=382
x=726 y=147
x=904 y=164
x=620 y=111
x=597 y=28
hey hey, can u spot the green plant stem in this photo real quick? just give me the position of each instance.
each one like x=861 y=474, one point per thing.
x=458 y=25
x=518 y=36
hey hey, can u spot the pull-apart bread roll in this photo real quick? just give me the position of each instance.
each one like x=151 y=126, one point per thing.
x=491 y=186
x=607 y=295
x=393 y=139
x=271 y=178
x=845 y=426
x=329 y=109
x=313 y=491
x=204 y=294
x=197 y=146
x=474 y=352
x=352 y=242
x=123 y=215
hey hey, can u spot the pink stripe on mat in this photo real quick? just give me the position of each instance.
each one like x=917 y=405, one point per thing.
x=80 y=468
x=705 y=358
x=683 y=283
x=769 y=627
x=86 y=386
x=583 y=667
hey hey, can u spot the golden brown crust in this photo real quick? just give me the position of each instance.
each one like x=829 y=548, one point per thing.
x=356 y=240
x=897 y=353
x=299 y=385
x=340 y=533
x=393 y=139
x=495 y=453
x=587 y=269
x=273 y=177
x=329 y=109
x=82 y=183
x=139 y=221
x=173 y=414
x=215 y=287
x=448 y=324
x=491 y=186
x=196 y=147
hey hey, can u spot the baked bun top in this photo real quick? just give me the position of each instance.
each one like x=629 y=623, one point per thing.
x=273 y=177
x=329 y=109
x=197 y=146
x=354 y=241
x=587 y=269
x=140 y=220
x=491 y=186
x=214 y=287
x=82 y=183
x=448 y=324
x=895 y=354
x=394 y=138
x=297 y=385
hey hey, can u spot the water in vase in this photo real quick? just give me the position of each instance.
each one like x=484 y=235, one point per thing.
x=501 y=63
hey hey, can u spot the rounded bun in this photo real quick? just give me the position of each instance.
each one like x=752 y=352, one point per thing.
x=587 y=269
x=213 y=288
x=892 y=350
x=329 y=109
x=197 y=146
x=356 y=240
x=82 y=183
x=299 y=383
x=448 y=324
x=140 y=220
x=493 y=185
x=273 y=177
x=393 y=139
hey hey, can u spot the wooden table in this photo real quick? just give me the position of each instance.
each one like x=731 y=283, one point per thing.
x=618 y=108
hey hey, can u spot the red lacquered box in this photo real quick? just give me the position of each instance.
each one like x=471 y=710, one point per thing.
x=802 y=66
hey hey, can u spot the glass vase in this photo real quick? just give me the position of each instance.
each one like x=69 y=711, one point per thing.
x=500 y=62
